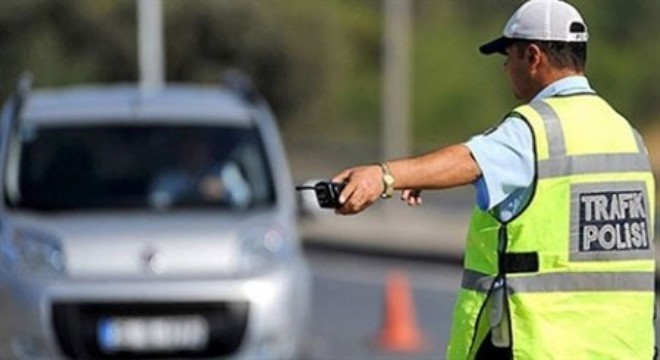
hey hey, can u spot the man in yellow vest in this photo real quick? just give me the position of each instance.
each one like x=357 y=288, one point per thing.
x=559 y=260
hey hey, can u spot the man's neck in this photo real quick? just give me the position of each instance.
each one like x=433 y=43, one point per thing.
x=551 y=76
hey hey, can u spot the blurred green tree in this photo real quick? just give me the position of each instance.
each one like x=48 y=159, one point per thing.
x=319 y=61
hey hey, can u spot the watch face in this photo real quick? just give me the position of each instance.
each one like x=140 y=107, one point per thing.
x=389 y=179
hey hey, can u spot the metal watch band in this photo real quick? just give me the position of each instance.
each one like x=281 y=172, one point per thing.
x=388 y=181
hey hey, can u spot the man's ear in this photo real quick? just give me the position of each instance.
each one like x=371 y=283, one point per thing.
x=533 y=55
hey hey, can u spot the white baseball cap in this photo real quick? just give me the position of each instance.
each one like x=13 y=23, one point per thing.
x=544 y=20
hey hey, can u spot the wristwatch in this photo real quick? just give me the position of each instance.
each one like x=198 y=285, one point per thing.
x=388 y=181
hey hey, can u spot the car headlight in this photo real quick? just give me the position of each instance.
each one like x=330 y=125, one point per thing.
x=32 y=253
x=263 y=247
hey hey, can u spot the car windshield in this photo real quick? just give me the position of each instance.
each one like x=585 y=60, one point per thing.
x=154 y=167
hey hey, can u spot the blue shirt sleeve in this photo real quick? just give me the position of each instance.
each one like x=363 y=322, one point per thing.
x=506 y=158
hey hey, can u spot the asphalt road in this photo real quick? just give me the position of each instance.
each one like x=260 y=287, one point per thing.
x=349 y=305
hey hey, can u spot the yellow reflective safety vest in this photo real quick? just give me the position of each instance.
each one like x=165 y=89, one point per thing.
x=575 y=269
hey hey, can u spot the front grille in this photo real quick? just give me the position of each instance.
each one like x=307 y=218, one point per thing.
x=76 y=326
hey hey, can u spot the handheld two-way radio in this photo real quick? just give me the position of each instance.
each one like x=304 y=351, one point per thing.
x=327 y=193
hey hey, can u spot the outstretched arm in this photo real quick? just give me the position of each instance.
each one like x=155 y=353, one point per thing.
x=444 y=168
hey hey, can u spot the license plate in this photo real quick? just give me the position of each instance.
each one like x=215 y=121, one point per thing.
x=153 y=333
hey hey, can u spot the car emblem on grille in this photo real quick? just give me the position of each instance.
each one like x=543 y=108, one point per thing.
x=153 y=261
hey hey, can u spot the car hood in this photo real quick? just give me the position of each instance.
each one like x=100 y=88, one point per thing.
x=142 y=244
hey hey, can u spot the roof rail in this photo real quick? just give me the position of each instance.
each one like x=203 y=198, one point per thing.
x=240 y=82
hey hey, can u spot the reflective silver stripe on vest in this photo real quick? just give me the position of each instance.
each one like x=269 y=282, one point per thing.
x=553 y=129
x=580 y=282
x=564 y=282
x=476 y=281
x=591 y=164
x=559 y=164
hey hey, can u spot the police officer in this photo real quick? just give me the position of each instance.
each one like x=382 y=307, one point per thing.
x=559 y=260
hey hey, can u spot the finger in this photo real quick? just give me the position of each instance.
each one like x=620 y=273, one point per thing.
x=408 y=194
x=342 y=176
x=356 y=200
x=414 y=198
x=415 y=201
x=349 y=190
x=358 y=204
x=405 y=195
x=347 y=199
x=412 y=201
x=348 y=208
x=418 y=197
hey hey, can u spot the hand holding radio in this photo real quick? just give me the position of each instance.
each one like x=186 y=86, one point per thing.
x=364 y=185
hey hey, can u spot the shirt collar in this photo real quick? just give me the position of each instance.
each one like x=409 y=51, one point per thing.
x=565 y=86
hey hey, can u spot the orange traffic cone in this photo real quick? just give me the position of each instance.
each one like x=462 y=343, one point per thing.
x=399 y=330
